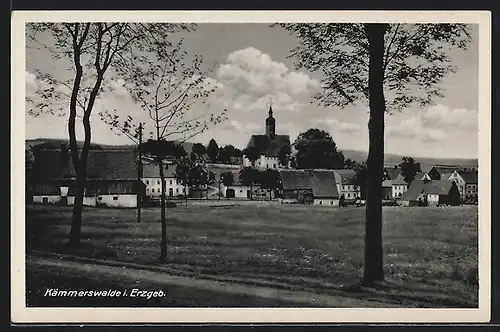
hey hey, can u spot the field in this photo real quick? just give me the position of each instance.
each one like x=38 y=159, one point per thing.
x=430 y=254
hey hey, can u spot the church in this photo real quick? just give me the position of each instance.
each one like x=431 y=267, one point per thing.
x=268 y=145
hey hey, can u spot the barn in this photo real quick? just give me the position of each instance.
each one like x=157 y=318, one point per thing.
x=316 y=187
x=431 y=193
x=112 y=178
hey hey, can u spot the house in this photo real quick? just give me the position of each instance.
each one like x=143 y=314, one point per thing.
x=151 y=179
x=391 y=173
x=449 y=173
x=345 y=180
x=316 y=187
x=394 y=189
x=433 y=192
x=237 y=190
x=46 y=193
x=268 y=146
x=470 y=178
x=112 y=177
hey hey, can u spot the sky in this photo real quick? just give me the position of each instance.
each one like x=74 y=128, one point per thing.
x=251 y=67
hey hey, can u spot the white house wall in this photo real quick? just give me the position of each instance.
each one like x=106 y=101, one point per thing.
x=326 y=201
x=398 y=190
x=153 y=187
x=51 y=199
x=121 y=200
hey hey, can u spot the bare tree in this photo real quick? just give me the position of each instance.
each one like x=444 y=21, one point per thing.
x=168 y=89
x=92 y=52
x=389 y=66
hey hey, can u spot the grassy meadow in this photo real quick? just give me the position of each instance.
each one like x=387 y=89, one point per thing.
x=430 y=254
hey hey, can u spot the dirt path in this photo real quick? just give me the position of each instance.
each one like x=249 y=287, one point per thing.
x=133 y=278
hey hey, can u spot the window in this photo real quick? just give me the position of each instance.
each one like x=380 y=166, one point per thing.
x=170 y=181
x=158 y=182
x=343 y=187
x=99 y=198
x=147 y=181
x=45 y=199
x=115 y=198
x=241 y=191
x=177 y=190
x=331 y=202
x=274 y=165
x=320 y=202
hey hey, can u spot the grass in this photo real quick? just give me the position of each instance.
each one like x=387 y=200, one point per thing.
x=430 y=254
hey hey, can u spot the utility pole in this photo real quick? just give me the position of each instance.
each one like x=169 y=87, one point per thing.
x=139 y=173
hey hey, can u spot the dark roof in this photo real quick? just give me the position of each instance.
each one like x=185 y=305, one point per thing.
x=101 y=164
x=436 y=187
x=469 y=176
x=442 y=169
x=152 y=171
x=345 y=176
x=392 y=173
x=322 y=182
x=269 y=148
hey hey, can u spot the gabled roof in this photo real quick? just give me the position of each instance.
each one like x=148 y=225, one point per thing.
x=469 y=176
x=435 y=187
x=399 y=180
x=101 y=165
x=345 y=176
x=442 y=169
x=267 y=147
x=392 y=173
x=322 y=182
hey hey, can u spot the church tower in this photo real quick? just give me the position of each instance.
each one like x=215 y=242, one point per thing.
x=270 y=124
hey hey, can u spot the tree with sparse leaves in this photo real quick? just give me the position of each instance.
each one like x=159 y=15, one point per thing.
x=168 y=87
x=94 y=53
x=249 y=177
x=387 y=66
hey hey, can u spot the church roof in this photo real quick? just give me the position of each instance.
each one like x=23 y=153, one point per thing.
x=268 y=147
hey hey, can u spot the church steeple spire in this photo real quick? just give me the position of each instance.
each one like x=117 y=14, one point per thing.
x=270 y=123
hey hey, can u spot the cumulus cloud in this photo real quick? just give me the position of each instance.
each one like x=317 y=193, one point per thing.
x=251 y=78
x=342 y=127
x=243 y=127
x=31 y=83
x=436 y=124
x=335 y=126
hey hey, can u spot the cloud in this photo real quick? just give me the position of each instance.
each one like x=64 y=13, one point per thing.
x=243 y=127
x=251 y=78
x=436 y=123
x=31 y=83
x=342 y=127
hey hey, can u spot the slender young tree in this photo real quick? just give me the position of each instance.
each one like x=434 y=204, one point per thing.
x=389 y=66
x=94 y=52
x=168 y=88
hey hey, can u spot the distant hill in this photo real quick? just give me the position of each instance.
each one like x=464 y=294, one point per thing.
x=426 y=163
x=358 y=156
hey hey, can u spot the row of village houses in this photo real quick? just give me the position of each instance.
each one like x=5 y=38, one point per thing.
x=113 y=181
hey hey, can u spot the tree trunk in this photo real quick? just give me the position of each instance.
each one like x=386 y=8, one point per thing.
x=373 y=265
x=139 y=174
x=163 y=255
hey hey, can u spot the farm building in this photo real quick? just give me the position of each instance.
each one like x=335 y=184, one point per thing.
x=394 y=189
x=112 y=178
x=345 y=180
x=317 y=187
x=433 y=192
x=151 y=179
x=471 y=185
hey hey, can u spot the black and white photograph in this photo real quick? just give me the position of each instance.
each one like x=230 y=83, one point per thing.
x=292 y=163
